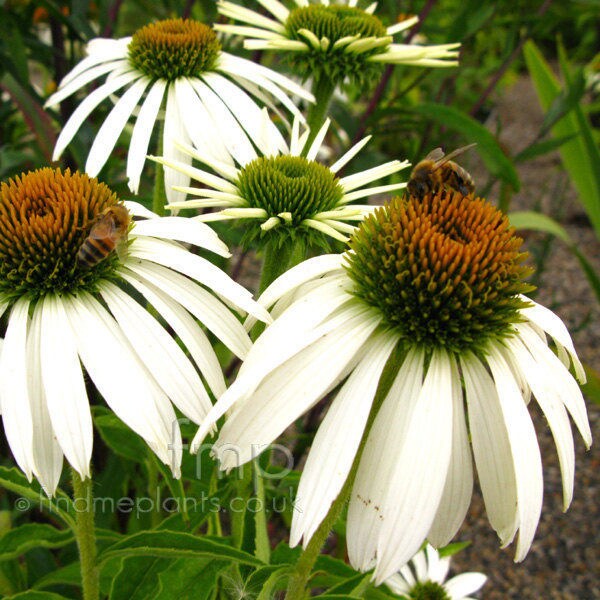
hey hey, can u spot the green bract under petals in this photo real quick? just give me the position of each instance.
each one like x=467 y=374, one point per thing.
x=45 y=216
x=445 y=271
x=174 y=48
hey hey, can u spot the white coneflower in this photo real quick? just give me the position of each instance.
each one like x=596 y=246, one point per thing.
x=178 y=64
x=64 y=306
x=436 y=284
x=424 y=578
x=285 y=191
x=332 y=41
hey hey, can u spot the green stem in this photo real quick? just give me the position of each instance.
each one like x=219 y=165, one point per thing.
x=323 y=89
x=277 y=260
x=159 y=197
x=86 y=536
x=299 y=580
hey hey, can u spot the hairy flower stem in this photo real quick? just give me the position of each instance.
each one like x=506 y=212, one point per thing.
x=299 y=579
x=86 y=536
x=322 y=90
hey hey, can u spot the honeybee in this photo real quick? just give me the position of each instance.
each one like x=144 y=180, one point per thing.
x=437 y=171
x=108 y=233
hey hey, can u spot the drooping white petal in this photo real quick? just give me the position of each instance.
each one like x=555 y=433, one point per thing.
x=295 y=277
x=48 y=456
x=64 y=386
x=183 y=230
x=226 y=127
x=554 y=327
x=378 y=461
x=560 y=380
x=335 y=445
x=99 y=50
x=159 y=352
x=111 y=129
x=491 y=448
x=289 y=391
x=201 y=128
x=556 y=415
x=201 y=270
x=186 y=328
x=417 y=481
x=458 y=488
x=174 y=131
x=87 y=106
x=14 y=396
x=230 y=9
x=139 y=210
x=75 y=83
x=142 y=131
x=123 y=381
x=524 y=448
x=247 y=112
x=202 y=304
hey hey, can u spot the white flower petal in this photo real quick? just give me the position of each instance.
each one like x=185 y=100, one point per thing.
x=491 y=448
x=335 y=445
x=126 y=385
x=111 y=129
x=14 y=396
x=554 y=327
x=142 y=131
x=64 y=386
x=48 y=456
x=159 y=352
x=350 y=154
x=312 y=152
x=201 y=129
x=200 y=269
x=75 y=83
x=524 y=448
x=229 y=9
x=139 y=210
x=378 y=461
x=202 y=304
x=174 y=131
x=464 y=584
x=289 y=391
x=417 y=482
x=186 y=328
x=549 y=400
x=458 y=488
x=249 y=115
x=81 y=113
x=183 y=230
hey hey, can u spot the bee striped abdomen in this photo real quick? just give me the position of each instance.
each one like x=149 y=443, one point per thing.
x=92 y=251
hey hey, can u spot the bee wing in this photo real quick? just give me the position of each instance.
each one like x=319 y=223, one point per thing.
x=105 y=227
x=444 y=159
x=436 y=154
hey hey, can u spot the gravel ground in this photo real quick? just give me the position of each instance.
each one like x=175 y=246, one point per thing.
x=564 y=561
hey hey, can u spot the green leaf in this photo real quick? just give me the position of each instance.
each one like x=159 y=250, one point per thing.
x=137 y=578
x=542 y=148
x=580 y=156
x=539 y=222
x=17 y=541
x=35 y=595
x=264 y=582
x=190 y=578
x=14 y=481
x=118 y=437
x=355 y=586
x=170 y=544
x=37 y=119
x=487 y=146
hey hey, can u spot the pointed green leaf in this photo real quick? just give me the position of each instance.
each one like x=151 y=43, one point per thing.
x=16 y=542
x=35 y=595
x=190 y=578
